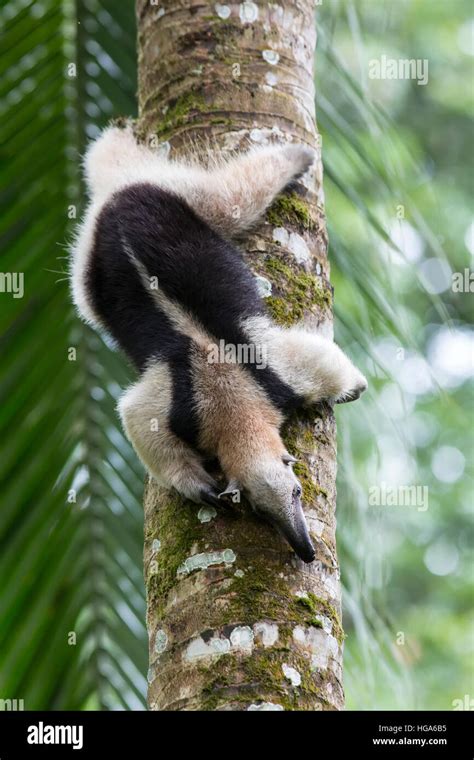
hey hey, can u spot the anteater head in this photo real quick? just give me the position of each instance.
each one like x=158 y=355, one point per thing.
x=274 y=493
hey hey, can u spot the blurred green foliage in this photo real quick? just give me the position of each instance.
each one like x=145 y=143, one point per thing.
x=399 y=156
x=398 y=167
x=72 y=608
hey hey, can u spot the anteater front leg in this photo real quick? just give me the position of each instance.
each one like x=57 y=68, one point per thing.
x=144 y=409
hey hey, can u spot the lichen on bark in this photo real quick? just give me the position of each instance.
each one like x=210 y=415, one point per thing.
x=235 y=620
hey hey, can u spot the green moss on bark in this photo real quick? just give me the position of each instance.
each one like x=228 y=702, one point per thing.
x=260 y=595
x=311 y=490
x=300 y=439
x=317 y=605
x=301 y=293
x=175 y=525
x=290 y=209
x=179 y=113
x=239 y=679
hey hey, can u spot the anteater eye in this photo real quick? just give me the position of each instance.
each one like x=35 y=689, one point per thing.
x=297 y=491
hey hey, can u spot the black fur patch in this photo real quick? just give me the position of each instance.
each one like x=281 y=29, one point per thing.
x=195 y=267
x=183 y=415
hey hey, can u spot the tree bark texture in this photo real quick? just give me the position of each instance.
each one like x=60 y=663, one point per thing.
x=235 y=620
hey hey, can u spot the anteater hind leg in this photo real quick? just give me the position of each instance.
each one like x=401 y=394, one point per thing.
x=232 y=197
x=144 y=409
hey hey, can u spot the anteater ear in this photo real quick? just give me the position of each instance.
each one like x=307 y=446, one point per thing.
x=232 y=492
x=288 y=459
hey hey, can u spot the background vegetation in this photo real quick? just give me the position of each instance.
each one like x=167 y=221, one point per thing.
x=398 y=167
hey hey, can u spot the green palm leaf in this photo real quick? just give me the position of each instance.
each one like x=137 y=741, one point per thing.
x=72 y=629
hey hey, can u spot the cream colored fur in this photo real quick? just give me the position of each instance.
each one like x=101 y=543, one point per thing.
x=230 y=196
x=315 y=367
x=144 y=410
x=237 y=421
x=238 y=425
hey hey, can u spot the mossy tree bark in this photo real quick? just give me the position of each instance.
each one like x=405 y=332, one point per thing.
x=235 y=621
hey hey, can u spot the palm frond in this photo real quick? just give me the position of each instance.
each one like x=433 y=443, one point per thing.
x=72 y=633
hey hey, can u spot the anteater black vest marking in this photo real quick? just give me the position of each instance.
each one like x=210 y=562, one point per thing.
x=195 y=267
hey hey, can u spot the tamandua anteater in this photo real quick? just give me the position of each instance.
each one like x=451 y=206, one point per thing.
x=154 y=267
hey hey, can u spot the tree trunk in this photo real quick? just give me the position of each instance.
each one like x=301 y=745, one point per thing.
x=235 y=620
